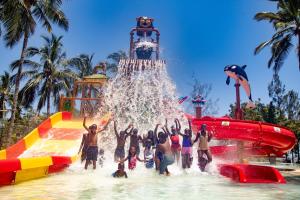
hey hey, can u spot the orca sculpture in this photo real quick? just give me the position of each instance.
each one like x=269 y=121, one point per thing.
x=239 y=75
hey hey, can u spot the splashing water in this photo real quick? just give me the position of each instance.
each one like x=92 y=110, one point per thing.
x=142 y=93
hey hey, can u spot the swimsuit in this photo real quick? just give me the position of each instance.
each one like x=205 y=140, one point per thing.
x=175 y=142
x=119 y=153
x=186 y=145
x=149 y=161
x=132 y=162
x=92 y=153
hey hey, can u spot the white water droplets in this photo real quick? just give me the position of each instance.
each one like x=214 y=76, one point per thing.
x=142 y=93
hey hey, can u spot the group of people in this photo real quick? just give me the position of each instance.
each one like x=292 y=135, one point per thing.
x=161 y=147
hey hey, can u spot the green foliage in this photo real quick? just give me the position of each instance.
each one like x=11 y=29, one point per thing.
x=286 y=23
x=51 y=77
x=113 y=60
x=82 y=64
x=19 y=19
x=284 y=109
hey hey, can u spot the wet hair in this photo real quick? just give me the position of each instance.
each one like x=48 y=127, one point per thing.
x=122 y=132
x=129 y=154
x=93 y=126
x=160 y=134
x=134 y=131
x=173 y=130
x=121 y=166
x=162 y=137
x=150 y=133
x=187 y=131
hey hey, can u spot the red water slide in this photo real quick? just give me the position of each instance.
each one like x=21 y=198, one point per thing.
x=260 y=139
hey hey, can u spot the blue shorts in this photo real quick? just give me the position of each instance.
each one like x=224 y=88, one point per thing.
x=149 y=163
x=92 y=153
x=167 y=160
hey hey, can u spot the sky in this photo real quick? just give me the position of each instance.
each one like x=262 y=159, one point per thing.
x=198 y=37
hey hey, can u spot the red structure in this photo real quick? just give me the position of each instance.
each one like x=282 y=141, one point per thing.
x=143 y=31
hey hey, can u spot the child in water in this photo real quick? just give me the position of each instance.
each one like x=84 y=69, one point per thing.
x=204 y=136
x=92 y=143
x=148 y=154
x=135 y=140
x=120 y=172
x=187 y=149
x=175 y=145
x=132 y=158
x=121 y=139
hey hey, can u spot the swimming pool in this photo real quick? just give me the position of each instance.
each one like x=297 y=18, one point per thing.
x=75 y=183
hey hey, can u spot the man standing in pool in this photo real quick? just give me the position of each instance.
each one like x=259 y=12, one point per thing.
x=121 y=139
x=204 y=136
x=167 y=157
x=92 y=143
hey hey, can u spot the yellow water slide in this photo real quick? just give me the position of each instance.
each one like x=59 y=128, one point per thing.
x=49 y=148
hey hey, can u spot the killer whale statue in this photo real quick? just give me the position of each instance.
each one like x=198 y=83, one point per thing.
x=238 y=73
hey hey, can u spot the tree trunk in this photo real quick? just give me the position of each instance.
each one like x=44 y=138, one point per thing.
x=2 y=108
x=17 y=88
x=292 y=161
x=48 y=105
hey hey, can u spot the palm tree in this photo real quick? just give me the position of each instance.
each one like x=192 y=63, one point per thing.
x=52 y=77
x=286 y=22
x=113 y=60
x=83 y=64
x=19 y=19
x=5 y=92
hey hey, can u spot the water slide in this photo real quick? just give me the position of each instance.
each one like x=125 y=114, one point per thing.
x=260 y=139
x=49 y=148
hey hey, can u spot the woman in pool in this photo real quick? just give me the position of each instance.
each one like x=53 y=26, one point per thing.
x=175 y=145
x=187 y=149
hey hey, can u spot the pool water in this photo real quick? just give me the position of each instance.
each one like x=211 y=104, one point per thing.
x=144 y=184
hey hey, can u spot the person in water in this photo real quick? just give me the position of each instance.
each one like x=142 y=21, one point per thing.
x=204 y=137
x=135 y=140
x=83 y=147
x=120 y=172
x=167 y=156
x=152 y=138
x=148 y=154
x=121 y=139
x=175 y=145
x=101 y=157
x=92 y=143
x=187 y=149
x=132 y=158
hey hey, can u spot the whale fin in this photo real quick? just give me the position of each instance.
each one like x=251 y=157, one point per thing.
x=228 y=80
x=243 y=67
x=250 y=97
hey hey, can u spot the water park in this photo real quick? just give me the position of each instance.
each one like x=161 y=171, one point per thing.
x=120 y=130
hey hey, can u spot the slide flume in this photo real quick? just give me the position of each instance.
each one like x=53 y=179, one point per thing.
x=49 y=148
x=260 y=139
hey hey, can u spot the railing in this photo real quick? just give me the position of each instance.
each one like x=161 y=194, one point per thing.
x=87 y=107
